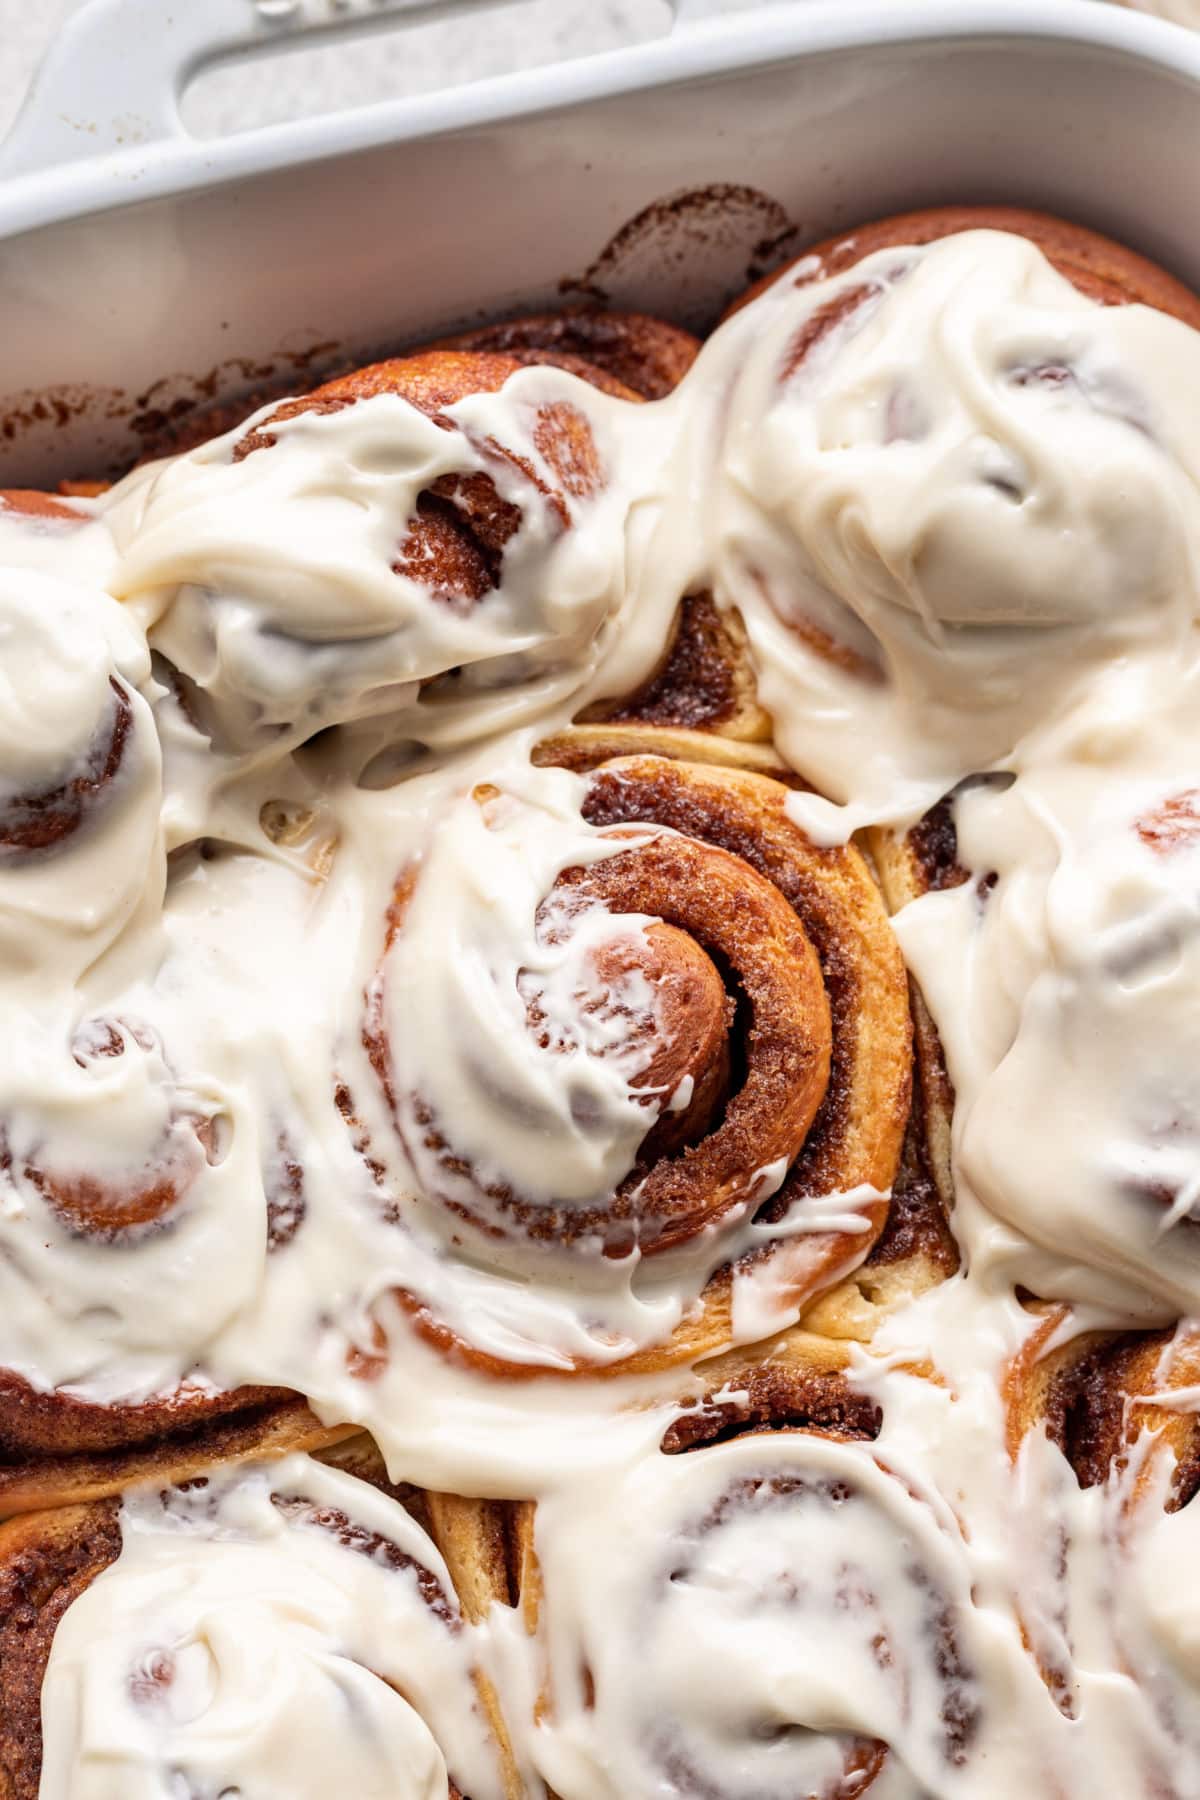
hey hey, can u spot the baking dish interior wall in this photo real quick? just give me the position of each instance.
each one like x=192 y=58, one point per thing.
x=377 y=247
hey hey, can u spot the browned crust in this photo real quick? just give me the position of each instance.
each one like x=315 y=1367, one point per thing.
x=628 y=355
x=173 y=1444
x=795 y=1382
x=646 y=355
x=31 y=503
x=431 y=382
x=1098 y=266
x=46 y=1562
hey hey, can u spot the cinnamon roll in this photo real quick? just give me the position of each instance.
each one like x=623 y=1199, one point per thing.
x=951 y=484
x=750 y=1628
x=1102 y=1426
x=456 y=573
x=688 y=1048
x=126 y=1193
x=80 y=761
x=1109 y=1208
x=251 y=1628
x=622 y=918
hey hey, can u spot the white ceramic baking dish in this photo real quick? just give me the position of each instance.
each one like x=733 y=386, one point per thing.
x=140 y=266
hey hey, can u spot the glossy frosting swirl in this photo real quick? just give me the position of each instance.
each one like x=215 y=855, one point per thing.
x=266 y=1633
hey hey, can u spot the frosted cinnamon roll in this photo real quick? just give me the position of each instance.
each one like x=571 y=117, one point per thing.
x=438 y=539
x=950 y=485
x=266 y=1630
x=1071 y=953
x=749 y=1629
x=668 y=1016
x=80 y=855
x=130 y=1237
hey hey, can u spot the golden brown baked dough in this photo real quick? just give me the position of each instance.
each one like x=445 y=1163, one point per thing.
x=638 y=353
x=1098 y=266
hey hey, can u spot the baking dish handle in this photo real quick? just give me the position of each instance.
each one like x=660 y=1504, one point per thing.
x=111 y=83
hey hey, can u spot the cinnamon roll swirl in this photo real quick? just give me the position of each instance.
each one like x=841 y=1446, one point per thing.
x=1113 y=1403
x=751 y=1630
x=79 y=792
x=125 y=1190
x=300 y=1590
x=685 y=1019
x=458 y=572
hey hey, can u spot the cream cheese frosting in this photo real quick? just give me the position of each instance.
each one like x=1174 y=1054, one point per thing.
x=303 y=1012
x=268 y=1632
